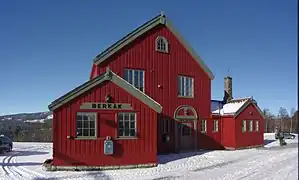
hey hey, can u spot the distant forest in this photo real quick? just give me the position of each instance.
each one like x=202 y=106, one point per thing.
x=23 y=131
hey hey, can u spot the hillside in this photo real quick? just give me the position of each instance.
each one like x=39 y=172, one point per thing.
x=36 y=127
x=27 y=116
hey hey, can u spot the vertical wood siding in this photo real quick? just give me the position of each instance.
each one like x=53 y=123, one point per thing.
x=90 y=152
x=163 y=69
x=247 y=138
x=228 y=132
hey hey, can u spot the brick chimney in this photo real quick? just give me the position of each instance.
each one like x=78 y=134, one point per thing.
x=228 y=91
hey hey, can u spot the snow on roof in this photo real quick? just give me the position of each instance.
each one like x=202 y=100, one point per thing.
x=232 y=107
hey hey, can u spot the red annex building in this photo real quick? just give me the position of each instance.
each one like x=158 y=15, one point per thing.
x=148 y=93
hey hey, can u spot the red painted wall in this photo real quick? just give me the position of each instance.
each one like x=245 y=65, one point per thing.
x=94 y=71
x=228 y=131
x=90 y=152
x=162 y=69
x=214 y=140
x=253 y=138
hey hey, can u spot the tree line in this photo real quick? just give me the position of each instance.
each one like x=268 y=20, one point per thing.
x=286 y=121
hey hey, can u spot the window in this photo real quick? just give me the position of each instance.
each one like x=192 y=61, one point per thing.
x=256 y=125
x=250 y=125
x=135 y=77
x=126 y=124
x=203 y=126
x=185 y=86
x=244 y=126
x=186 y=130
x=86 y=124
x=215 y=127
x=166 y=125
x=162 y=44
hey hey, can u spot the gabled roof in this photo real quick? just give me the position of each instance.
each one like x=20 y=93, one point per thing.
x=158 y=20
x=235 y=107
x=107 y=76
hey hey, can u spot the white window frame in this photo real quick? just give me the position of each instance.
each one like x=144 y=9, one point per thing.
x=244 y=128
x=89 y=114
x=123 y=135
x=250 y=129
x=129 y=76
x=161 y=44
x=257 y=126
x=203 y=126
x=183 y=81
x=215 y=125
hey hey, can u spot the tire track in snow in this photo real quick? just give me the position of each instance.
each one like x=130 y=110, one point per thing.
x=14 y=172
x=25 y=171
x=10 y=174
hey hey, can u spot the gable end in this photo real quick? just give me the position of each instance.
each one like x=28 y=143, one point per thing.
x=108 y=76
x=161 y=19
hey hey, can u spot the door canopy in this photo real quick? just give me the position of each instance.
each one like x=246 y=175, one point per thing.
x=185 y=112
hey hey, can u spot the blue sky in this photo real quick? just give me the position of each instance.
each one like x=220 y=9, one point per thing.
x=47 y=47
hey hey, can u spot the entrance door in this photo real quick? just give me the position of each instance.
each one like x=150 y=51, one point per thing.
x=107 y=125
x=186 y=136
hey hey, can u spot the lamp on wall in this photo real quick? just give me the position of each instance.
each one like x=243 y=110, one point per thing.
x=108 y=98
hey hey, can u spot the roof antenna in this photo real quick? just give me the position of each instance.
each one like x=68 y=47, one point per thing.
x=229 y=72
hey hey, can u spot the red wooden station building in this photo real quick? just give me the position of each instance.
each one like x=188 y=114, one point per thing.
x=148 y=93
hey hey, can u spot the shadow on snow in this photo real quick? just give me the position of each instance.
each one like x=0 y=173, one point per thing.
x=164 y=159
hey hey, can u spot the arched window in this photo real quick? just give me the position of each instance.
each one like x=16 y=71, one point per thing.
x=162 y=44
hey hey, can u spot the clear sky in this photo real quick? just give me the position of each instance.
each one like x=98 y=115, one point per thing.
x=47 y=47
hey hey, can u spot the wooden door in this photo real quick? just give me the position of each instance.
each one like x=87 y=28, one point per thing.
x=107 y=124
x=186 y=136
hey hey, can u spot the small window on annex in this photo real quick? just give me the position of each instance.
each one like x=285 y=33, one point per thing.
x=244 y=126
x=162 y=44
x=250 y=125
x=215 y=127
x=126 y=124
x=86 y=124
x=256 y=125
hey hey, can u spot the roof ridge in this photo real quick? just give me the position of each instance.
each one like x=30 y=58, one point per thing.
x=114 y=45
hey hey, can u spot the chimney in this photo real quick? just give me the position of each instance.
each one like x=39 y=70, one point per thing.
x=228 y=91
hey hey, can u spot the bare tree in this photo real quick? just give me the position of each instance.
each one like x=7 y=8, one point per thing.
x=283 y=117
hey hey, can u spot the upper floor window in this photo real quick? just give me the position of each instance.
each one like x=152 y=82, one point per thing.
x=162 y=44
x=135 y=77
x=185 y=86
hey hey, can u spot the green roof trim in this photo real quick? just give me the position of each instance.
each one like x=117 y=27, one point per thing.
x=107 y=76
x=160 y=19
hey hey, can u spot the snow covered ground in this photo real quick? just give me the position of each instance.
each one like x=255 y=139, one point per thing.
x=272 y=162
